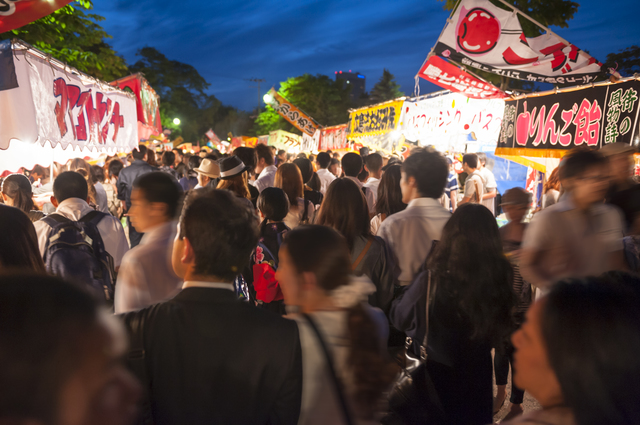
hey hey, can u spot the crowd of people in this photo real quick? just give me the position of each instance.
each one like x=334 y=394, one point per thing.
x=260 y=287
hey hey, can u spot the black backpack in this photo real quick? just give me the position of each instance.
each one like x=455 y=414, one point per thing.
x=75 y=251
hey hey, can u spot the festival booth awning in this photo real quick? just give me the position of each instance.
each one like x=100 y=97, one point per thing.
x=284 y=140
x=51 y=112
x=374 y=126
x=540 y=128
x=147 y=104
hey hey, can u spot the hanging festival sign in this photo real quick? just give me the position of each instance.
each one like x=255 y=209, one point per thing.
x=448 y=76
x=51 y=103
x=548 y=125
x=148 y=104
x=373 y=127
x=334 y=138
x=445 y=121
x=284 y=140
x=291 y=113
x=491 y=39
x=17 y=13
x=311 y=143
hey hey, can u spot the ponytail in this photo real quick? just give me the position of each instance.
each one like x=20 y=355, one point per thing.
x=372 y=369
x=18 y=188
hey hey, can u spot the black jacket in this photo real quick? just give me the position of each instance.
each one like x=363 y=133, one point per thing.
x=212 y=359
x=128 y=175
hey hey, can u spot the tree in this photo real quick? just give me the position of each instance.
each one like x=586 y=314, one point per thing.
x=322 y=98
x=386 y=88
x=76 y=38
x=626 y=61
x=183 y=95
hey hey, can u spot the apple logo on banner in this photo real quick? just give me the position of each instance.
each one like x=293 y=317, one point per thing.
x=478 y=31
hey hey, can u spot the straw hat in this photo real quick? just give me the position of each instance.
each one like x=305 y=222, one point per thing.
x=209 y=168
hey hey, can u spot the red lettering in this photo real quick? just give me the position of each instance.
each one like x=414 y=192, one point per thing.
x=60 y=89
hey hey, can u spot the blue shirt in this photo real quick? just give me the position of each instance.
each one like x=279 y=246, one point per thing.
x=452 y=184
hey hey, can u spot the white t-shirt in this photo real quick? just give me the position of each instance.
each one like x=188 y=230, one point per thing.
x=490 y=185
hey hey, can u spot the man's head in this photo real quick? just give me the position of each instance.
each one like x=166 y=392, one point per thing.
x=621 y=163
x=154 y=200
x=335 y=167
x=59 y=356
x=168 y=158
x=179 y=156
x=323 y=160
x=139 y=153
x=282 y=154
x=351 y=164
x=424 y=175
x=515 y=203
x=115 y=166
x=585 y=174
x=482 y=159
x=248 y=157
x=69 y=184
x=216 y=236
x=373 y=163
x=265 y=157
x=364 y=151
x=470 y=163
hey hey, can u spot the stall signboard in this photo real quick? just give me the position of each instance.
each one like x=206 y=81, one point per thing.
x=374 y=126
x=447 y=121
x=490 y=38
x=52 y=104
x=263 y=140
x=148 y=103
x=284 y=140
x=334 y=138
x=293 y=114
x=548 y=125
x=311 y=143
x=448 y=76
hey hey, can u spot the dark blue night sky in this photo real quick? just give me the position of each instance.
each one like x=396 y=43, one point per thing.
x=228 y=41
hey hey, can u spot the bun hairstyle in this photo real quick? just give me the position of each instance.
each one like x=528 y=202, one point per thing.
x=273 y=203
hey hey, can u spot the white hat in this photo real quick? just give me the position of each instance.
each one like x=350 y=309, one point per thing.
x=209 y=168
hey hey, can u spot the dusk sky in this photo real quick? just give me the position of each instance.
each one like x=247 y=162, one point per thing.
x=228 y=41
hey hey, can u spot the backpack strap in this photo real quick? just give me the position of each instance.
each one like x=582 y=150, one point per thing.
x=356 y=263
x=56 y=218
x=478 y=195
x=92 y=216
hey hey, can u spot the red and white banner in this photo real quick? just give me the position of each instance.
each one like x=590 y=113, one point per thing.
x=17 y=13
x=489 y=38
x=448 y=76
x=148 y=104
x=212 y=136
x=334 y=138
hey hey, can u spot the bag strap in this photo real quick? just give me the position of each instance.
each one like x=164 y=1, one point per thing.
x=479 y=196
x=58 y=218
x=91 y=216
x=334 y=377
x=423 y=347
x=356 y=263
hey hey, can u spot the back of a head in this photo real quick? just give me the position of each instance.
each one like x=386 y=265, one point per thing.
x=430 y=170
x=194 y=162
x=471 y=159
x=553 y=182
x=70 y=184
x=345 y=209
x=324 y=160
x=115 y=166
x=351 y=164
x=482 y=157
x=301 y=155
x=45 y=325
x=222 y=231
x=160 y=187
x=248 y=157
x=364 y=151
x=273 y=203
x=289 y=179
x=97 y=173
x=306 y=168
x=578 y=161
x=18 y=188
x=389 y=199
x=374 y=162
x=264 y=152
x=168 y=158
x=139 y=152
x=321 y=251
x=78 y=164
x=591 y=328
x=19 y=243
x=469 y=266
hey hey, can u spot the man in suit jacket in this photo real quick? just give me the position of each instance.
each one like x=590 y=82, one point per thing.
x=208 y=357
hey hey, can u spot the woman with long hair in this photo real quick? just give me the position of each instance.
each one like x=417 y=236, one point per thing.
x=16 y=192
x=289 y=179
x=306 y=169
x=471 y=310
x=551 y=189
x=345 y=210
x=233 y=178
x=315 y=277
x=389 y=197
x=19 y=244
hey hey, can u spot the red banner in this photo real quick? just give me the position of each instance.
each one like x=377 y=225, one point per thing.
x=17 y=13
x=442 y=73
x=148 y=102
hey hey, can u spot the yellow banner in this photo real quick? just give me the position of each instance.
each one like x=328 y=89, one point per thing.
x=376 y=120
x=291 y=113
x=284 y=140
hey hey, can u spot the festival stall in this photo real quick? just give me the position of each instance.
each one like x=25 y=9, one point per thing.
x=374 y=126
x=284 y=140
x=147 y=104
x=51 y=112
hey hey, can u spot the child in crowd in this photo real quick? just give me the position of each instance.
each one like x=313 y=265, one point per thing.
x=273 y=206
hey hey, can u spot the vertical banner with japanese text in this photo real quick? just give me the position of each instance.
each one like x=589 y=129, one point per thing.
x=546 y=126
x=293 y=114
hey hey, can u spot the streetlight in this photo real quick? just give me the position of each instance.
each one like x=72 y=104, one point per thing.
x=268 y=98
x=176 y=121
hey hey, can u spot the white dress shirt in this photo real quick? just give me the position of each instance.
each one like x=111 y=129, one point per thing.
x=372 y=184
x=371 y=199
x=266 y=178
x=325 y=179
x=410 y=233
x=146 y=276
x=490 y=185
x=113 y=237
